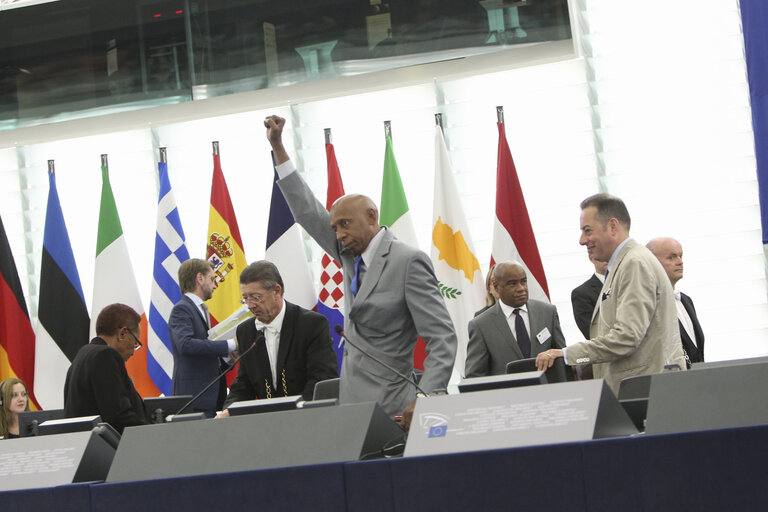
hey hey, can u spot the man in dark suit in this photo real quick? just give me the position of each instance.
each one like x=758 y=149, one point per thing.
x=196 y=359
x=391 y=295
x=97 y=382
x=292 y=348
x=514 y=328
x=670 y=254
x=584 y=297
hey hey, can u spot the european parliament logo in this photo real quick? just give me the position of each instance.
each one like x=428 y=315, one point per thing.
x=438 y=431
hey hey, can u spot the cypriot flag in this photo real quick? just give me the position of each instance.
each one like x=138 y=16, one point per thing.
x=458 y=272
x=114 y=280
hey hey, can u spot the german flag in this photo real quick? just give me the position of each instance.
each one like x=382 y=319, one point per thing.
x=17 y=339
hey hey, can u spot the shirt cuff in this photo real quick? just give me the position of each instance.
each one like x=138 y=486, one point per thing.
x=285 y=168
x=565 y=354
x=232 y=345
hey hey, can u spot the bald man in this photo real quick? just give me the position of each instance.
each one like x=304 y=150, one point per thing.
x=670 y=254
x=390 y=293
x=514 y=328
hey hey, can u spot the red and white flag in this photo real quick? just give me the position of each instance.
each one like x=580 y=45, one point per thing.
x=513 y=237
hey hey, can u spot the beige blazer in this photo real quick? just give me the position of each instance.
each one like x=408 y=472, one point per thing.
x=634 y=326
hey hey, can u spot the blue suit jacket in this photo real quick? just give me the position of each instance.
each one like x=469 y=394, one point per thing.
x=196 y=360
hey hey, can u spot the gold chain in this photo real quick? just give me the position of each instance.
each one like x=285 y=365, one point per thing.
x=269 y=389
x=285 y=387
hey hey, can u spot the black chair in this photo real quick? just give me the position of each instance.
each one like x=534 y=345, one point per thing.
x=326 y=389
x=559 y=372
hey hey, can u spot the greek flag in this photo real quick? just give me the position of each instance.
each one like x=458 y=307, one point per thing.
x=170 y=252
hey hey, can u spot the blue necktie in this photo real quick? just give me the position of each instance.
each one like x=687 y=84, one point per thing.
x=354 y=286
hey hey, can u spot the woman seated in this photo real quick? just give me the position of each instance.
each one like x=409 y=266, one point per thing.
x=14 y=395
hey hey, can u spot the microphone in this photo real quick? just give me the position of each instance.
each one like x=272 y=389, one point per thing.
x=340 y=331
x=216 y=379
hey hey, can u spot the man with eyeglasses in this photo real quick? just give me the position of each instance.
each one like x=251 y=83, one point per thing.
x=196 y=359
x=292 y=348
x=97 y=382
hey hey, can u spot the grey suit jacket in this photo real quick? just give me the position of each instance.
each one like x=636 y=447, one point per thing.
x=492 y=344
x=634 y=326
x=398 y=301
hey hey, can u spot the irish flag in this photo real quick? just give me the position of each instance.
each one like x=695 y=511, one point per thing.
x=114 y=280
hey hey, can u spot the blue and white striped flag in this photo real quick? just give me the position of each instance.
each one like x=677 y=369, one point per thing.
x=170 y=253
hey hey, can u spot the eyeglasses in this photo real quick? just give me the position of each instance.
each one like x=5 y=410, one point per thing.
x=136 y=342
x=258 y=299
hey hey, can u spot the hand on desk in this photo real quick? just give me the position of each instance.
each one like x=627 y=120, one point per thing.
x=547 y=358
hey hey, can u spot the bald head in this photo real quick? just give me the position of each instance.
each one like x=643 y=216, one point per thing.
x=670 y=254
x=511 y=283
x=355 y=219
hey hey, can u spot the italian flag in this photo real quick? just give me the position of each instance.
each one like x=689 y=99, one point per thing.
x=114 y=281
x=396 y=215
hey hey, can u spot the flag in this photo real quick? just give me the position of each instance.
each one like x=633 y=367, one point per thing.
x=170 y=253
x=63 y=320
x=114 y=281
x=394 y=206
x=225 y=251
x=225 y=248
x=458 y=272
x=330 y=301
x=17 y=339
x=513 y=237
x=396 y=215
x=285 y=249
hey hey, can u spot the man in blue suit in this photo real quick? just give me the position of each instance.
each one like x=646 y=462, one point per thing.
x=196 y=359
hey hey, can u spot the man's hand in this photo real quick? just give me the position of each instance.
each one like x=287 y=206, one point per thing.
x=223 y=414
x=274 y=126
x=547 y=358
x=408 y=414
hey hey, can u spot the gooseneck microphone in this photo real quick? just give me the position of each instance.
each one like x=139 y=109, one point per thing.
x=216 y=379
x=340 y=331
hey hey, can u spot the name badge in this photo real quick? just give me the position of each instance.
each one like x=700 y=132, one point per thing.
x=543 y=335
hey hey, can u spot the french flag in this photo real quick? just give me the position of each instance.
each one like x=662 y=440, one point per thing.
x=287 y=251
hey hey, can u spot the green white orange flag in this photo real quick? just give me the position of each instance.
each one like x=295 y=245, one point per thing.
x=457 y=269
x=114 y=280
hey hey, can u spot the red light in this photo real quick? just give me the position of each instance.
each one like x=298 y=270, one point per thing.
x=180 y=11
x=156 y=15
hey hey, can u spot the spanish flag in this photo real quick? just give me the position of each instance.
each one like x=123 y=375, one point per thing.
x=225 y=248
x=17 y=339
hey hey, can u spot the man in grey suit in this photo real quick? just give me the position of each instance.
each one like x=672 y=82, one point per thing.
x=390 y=293
x=514 y=328
x=670 y=255
x=634 y=326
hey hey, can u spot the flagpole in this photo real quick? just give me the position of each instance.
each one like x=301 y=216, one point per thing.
x=388 y=129
x=500 y=114
x=163 y=155
x=216 y=147
x=439 y=120
x=51 y=169
x=328 y=139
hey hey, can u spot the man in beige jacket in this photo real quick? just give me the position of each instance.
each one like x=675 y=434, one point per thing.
x=634 y=326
